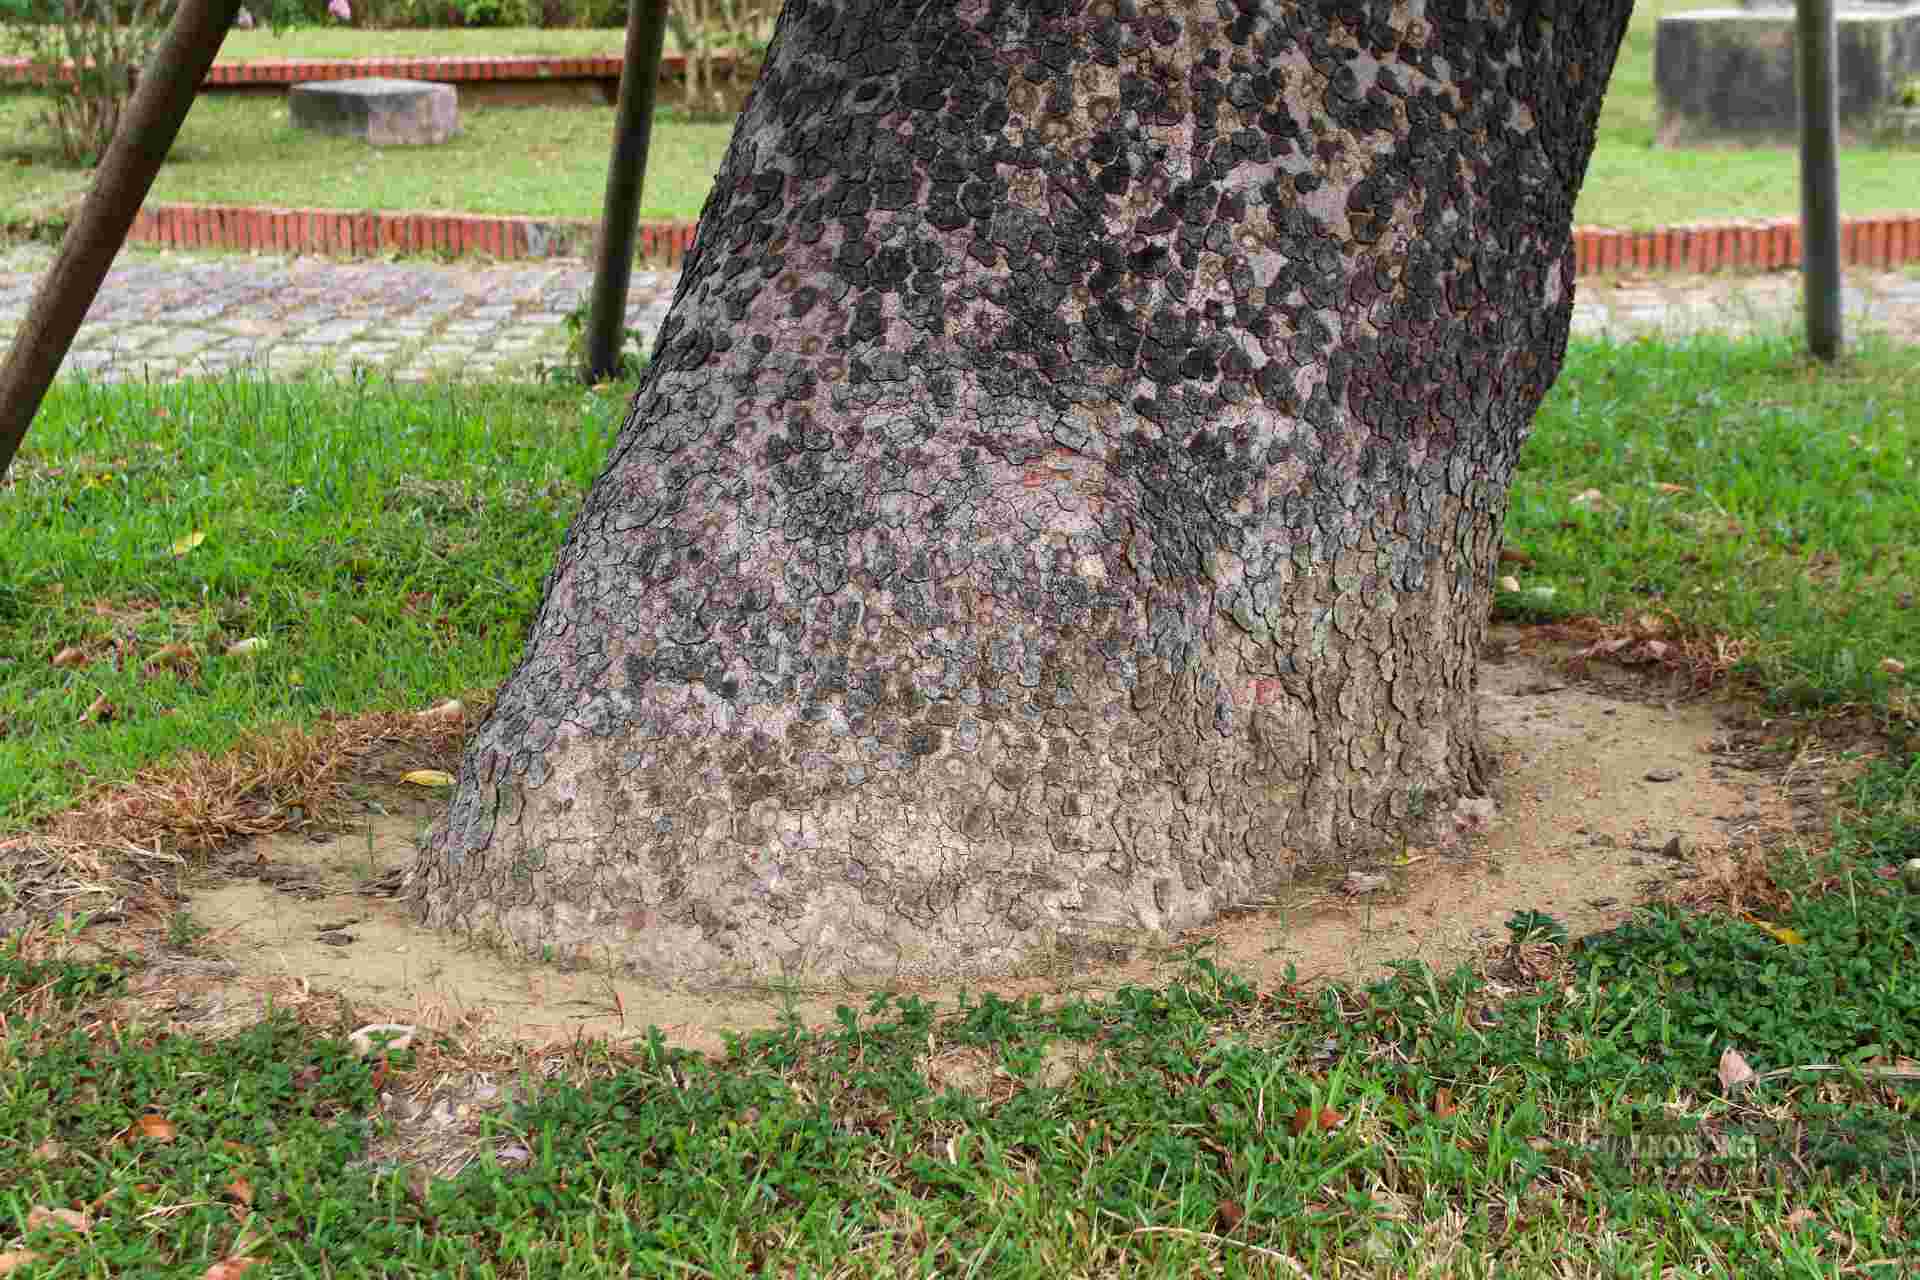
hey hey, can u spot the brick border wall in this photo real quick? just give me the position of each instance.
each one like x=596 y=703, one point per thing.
x=1878 y=240
x=368 y=233
x=1886 y=240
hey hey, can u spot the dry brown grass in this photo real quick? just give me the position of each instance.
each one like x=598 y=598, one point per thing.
x=108 y=853
x=1702 y=659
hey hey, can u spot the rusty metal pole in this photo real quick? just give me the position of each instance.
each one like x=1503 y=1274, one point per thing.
x=161 y=100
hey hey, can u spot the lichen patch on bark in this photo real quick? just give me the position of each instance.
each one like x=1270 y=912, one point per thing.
x=1064 y=494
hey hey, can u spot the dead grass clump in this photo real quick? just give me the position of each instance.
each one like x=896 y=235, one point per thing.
x=122 y=843
x=291 y=778
x=1702 y=658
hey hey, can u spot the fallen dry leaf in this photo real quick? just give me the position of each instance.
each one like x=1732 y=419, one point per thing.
x=1893 y=666
x=16 y=1259
x=98 y=711
x=1670 y=488
x=1734 y=1070
x=170 y=657
x=428 y=778
x=228 y=1268
x=158 y=1128
x=1780 y=932
x=49 y=1150
x=42 y=1216
x=1510 y=556
x=71 y=656
x=1509 y=584
x=1443 y=1104
x=451 y=710
x=397 y=1036
x=240 y=1189
x=1305 y=1119
x=241 y=648
x=1230 y=1215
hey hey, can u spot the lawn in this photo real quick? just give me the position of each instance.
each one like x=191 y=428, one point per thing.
x=551 y=162
x=387 y=545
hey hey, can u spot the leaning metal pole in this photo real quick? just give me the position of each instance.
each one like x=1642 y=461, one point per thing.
x=160 y=102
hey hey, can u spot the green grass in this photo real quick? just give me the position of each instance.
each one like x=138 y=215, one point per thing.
x=1747 y=492
x=551 y=162
x=386 y=542
x=445 y=42
x=1459 y=1130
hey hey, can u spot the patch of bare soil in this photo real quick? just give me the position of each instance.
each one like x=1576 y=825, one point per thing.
x=1609 y=794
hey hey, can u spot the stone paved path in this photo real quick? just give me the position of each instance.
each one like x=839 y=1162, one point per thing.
x=161 y=314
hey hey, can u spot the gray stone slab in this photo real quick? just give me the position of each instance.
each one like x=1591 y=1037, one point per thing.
x=1727 y=75
x=385 y=112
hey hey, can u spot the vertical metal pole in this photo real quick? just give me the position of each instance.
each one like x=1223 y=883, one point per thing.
x=619 y=220
x=1819 y=174
x=160 y=102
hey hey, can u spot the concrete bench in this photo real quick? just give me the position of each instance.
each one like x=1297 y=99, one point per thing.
x=385 y=112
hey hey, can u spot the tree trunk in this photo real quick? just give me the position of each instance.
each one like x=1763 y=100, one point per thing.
x=1065 y=495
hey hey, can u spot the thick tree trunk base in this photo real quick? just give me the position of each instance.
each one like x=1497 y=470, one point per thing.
x=1066 y=494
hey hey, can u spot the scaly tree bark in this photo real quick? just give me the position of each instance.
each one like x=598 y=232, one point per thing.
x=1066 y=492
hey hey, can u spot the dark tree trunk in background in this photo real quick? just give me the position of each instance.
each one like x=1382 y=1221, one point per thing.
x=1066 y=493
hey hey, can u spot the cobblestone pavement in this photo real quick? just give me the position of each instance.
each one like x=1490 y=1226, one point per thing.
x=161 y=314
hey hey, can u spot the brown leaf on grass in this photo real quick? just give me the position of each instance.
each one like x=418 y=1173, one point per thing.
x=1509 y=555
x=15 y=1259
x=1328 y=1119
x=49 y=1151
x=1443 y=1103
x=71 y=656
x=1734 y=1070
x=99 y=711
x=1893 y=666
x=1230 y=1215
x=155 y=1128
x=170 y=657
x=239 y=1190
x=72 y=1219
x=229 y=1268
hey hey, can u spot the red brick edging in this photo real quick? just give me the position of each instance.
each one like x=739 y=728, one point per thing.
x=368 y=233
x=1884 y=240
x=1878 y=240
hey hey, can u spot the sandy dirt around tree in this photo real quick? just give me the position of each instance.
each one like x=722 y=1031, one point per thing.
x=1614 y=788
